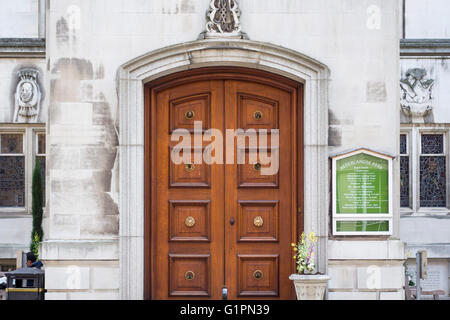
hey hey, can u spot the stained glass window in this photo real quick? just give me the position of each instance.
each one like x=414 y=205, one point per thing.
x=432 y=171
x=404 y=181
x=432 y=181
x=40 y=143
x=404 y=171
x=40 y=152
x=403 y=146
x=432 y=144
x=12 y=170
x=12 y=181
x=11 y=143
x=14 y=157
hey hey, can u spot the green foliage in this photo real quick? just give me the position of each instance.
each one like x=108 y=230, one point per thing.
x=34 y=247
x=304 y=253
x=37 y=204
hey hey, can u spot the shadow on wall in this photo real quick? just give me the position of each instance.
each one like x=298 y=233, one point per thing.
x=77 y=105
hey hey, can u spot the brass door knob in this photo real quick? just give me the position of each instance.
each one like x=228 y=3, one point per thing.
x=258 y=221
x=189 y=115
x=189 y=275
x=258 y=275
x=258 y=115
x=189 y=222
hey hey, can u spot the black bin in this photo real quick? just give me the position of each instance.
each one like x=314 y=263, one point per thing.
x=25 y=284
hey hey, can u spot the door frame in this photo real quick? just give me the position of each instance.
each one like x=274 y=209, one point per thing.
x=131 y=79
x=152 y=88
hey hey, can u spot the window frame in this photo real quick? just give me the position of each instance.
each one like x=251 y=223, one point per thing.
x=388 y=216
x=414 y=133
x=408 y=154
x=417 y=154
x=29 y=132
x=36 y=133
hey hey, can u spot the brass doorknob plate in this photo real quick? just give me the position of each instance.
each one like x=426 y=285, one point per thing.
x=258 y=275
x=258 y=221
x=189 y=275
x=189 y=115
x=189 y=222
x=258 y=115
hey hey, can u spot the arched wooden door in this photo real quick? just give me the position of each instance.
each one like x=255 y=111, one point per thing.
x=215 y=226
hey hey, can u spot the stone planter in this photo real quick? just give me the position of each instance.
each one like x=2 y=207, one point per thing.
x=309 y=286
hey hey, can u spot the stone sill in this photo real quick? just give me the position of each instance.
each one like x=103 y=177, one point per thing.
x=80 y=250
x=436 y=214
x=22 y=47
x=434 y=250
x=424 y=47
x=366 y=250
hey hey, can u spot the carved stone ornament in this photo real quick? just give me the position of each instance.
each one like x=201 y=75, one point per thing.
x=222 y=20
x=416 y=100
x=27 y=97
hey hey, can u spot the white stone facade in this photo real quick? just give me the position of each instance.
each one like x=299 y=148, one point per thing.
x=98 y=55
x=425 y=228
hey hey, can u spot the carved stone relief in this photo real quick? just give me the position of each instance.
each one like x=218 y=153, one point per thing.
x=27 y=97
x=416 y=99
x=222 y=20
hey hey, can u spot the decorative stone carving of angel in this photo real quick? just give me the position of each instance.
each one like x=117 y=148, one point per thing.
x=27 y=97
x=416 y=99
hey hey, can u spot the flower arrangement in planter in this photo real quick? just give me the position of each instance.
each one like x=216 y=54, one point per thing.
x=304 y=250
x=309 y=285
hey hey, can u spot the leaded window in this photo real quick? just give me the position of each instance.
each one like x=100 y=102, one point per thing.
x=432 y=144
x=40 y=153
x=404 y=171
x=12 y=170
x=432 y=171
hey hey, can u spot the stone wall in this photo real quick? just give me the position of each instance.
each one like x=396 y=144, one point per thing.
x=427 y=19
x=15 y=223
x=19 y=19
x=366 y=270
x=87 y=41
x=425 y=228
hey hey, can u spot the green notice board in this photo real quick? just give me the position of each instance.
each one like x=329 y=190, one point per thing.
x=362 y=185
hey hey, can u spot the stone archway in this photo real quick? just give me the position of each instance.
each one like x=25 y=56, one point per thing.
x=134 y=74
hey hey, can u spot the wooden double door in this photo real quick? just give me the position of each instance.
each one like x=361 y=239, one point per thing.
x=223 y=228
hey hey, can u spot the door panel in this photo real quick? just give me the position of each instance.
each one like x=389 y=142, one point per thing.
x=249 y=174
x=189 y=200
x=258 y=268
x=189 y=220
x=257 y=112
x=190 y=275
x=189 y=175
x=185 y=110
x=222 y=225
x=258 y=221
x=258 y=275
